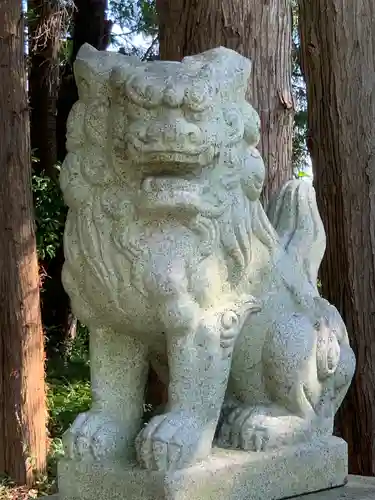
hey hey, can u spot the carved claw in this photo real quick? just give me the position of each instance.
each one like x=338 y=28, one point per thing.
x=171 y=441
x=93 y=435
x=262 y=429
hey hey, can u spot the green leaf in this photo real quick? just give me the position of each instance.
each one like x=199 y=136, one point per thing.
x=302 y=174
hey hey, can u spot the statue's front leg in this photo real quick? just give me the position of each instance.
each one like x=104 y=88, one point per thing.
x=199 y=357
x=118 y=365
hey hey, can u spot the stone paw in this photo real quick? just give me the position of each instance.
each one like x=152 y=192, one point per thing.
x=94 y=435
x=262 y=429
x=172 y=441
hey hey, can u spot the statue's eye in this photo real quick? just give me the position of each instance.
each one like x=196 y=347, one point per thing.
x=193 y=116
x=173 y=95
x=197 y=98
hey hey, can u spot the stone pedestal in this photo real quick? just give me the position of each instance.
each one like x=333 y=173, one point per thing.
x=357 y=488
x=227 y=475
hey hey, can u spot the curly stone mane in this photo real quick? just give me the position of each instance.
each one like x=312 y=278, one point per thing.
x=172 y=167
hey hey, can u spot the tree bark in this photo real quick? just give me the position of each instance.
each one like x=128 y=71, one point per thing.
x=338 y=59
x=46 y=20
x=22 y=389
x=90 y=25
x=44 y=42
x=259 y=30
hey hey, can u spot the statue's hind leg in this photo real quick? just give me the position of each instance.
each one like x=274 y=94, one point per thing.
x=307 y=370
x=119 y=367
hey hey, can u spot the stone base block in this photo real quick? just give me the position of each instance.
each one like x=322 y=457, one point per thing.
x=357 y=488
x=226 y=475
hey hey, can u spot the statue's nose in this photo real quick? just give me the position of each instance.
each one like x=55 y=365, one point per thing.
x=177 y=131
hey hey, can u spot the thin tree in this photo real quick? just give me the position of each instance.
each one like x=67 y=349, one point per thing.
x=22 y=389
x=90 y=25
x=261 y=31
x=47 y=22
x=338 y=58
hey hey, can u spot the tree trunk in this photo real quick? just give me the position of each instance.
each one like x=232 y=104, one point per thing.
x=89 y=26
x=45 y=22
x=22 y=389
x=338 y=59
x=258 y=30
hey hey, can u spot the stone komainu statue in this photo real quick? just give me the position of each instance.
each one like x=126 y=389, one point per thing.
x=171 y=260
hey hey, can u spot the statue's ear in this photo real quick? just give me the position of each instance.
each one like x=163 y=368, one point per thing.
x=230 y=69
x=87 y=51
x=92 y=69
x=84 y=70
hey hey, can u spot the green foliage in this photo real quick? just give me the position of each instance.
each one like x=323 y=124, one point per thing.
x=68 y=395
x=135 y=18
x=301 y=174
x=138 y=17
x=65 y=401
x=300 y=153
x=65 y=52
x=50 y=214
x=69 y=390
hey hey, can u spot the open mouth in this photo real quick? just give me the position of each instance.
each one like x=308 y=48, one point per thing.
x=156 y=153
x=161 y=157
